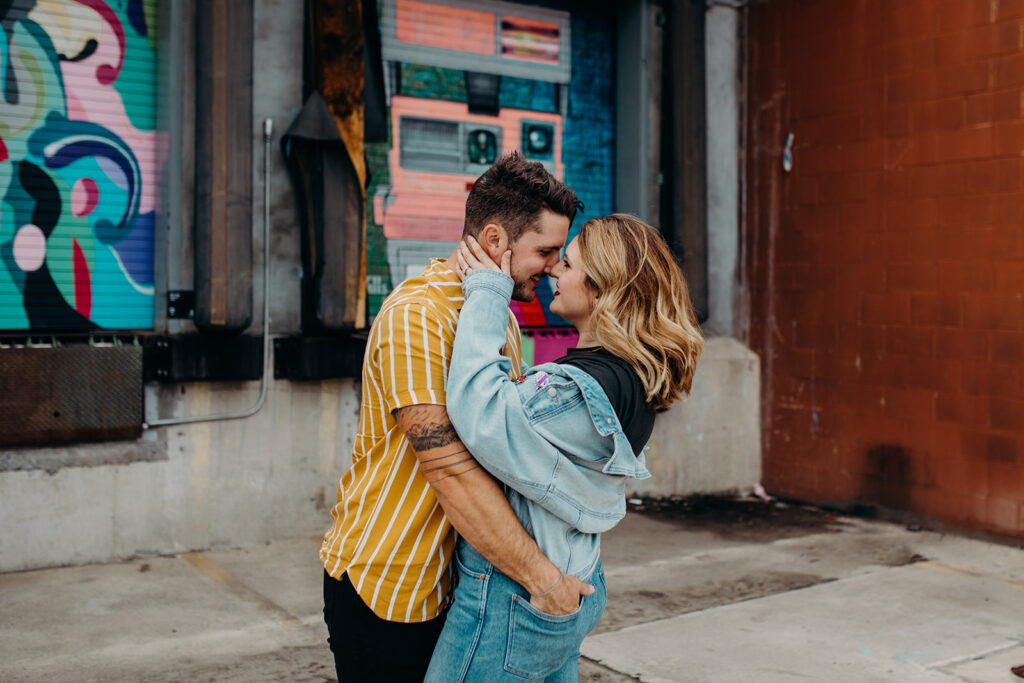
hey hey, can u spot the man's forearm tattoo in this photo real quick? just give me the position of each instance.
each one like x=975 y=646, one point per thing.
x=439 y=462
x=452 y=464
x=426 y=432
x=441 y=466
x=425 y=437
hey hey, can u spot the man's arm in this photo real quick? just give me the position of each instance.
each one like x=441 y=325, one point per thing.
x=478 y=510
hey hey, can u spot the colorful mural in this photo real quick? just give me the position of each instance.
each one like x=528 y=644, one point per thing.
x=555 y=69
x=79 y=164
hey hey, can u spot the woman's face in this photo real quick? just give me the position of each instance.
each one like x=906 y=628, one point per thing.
x=574 y=298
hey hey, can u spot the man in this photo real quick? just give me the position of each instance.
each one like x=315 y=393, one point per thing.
x=386 y=558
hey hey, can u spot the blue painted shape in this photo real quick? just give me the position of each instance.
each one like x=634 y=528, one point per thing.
x=136 y=249
x=523 y=93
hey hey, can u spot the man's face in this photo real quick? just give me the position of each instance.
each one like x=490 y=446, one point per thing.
x=537 y=252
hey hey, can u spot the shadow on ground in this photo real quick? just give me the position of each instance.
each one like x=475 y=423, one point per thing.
x=740 y=519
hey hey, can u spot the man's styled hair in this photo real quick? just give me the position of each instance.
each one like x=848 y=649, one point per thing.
x=512 y=193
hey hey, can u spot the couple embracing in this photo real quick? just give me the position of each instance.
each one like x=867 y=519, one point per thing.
x=465 y=544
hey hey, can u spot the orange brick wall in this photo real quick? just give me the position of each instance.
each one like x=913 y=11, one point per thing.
x=886 y=270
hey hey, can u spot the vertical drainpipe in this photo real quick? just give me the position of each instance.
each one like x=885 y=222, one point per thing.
x=633 y=93
x=722 y=31
x=639 y=169
x=684 y=196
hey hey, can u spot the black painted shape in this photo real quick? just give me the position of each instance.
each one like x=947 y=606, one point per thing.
x=46 y=307
x=43 y=190
x=90 y=47
x=137 y=17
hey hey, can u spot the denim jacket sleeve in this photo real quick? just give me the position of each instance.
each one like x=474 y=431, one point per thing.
x=488 y=412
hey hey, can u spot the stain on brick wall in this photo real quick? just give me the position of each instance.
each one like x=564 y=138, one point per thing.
x=886 y=270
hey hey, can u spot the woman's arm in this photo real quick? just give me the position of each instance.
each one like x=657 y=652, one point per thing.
x=483 y=403
x=487 y=409
x=479 y=511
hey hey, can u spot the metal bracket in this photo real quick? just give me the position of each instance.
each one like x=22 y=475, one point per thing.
x=181 y=304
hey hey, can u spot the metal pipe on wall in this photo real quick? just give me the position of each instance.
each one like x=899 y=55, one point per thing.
x=268 y=131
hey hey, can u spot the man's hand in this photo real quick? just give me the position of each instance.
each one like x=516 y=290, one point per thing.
x=479 y=511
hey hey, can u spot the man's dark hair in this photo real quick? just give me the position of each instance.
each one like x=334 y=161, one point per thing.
x=512 y=193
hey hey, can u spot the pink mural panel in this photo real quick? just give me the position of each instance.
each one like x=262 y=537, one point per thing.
x=427 y=205
x=451 y=28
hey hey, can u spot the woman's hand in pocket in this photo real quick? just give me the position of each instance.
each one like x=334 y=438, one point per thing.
x=564 y=598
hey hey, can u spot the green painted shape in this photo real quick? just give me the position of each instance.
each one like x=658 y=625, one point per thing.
x=432 y=82
x=35 y=71
x=377 y=269
x=149 y=10
x=12 y=312
x=527 y=355
x=139 y=98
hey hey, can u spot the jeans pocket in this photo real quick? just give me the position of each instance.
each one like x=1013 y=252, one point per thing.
x=540 y=643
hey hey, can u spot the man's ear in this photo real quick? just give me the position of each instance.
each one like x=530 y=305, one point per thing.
x=494 y=240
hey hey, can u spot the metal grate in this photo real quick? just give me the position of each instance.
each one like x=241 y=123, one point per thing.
x=430 y=145
x=73 y=393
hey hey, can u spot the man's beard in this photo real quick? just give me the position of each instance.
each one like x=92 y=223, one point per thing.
x=524 y=291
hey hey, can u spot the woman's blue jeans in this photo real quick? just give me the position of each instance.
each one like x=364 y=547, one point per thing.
x=493 y=633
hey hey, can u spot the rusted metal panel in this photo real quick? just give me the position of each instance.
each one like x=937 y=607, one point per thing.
x=70 y=394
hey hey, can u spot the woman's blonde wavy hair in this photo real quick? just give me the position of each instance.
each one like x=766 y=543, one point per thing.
x=643 y=312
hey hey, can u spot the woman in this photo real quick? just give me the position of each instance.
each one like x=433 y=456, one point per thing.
x=564 y=438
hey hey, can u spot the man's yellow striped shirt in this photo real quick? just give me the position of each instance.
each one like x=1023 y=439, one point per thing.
x=389 y=531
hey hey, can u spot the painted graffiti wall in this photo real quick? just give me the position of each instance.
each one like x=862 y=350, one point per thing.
x=551 y=67
x=79 y=164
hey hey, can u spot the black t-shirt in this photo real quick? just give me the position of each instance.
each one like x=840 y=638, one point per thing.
x=624 y=389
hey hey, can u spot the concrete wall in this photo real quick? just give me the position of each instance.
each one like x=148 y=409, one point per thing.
x=219 y=484
x=712 y=441
x=887 y=268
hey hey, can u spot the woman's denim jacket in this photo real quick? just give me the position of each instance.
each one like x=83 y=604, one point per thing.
x=552 y=436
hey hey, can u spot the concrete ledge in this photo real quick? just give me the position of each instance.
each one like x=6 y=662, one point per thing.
x=81 y=455
x=712 y=441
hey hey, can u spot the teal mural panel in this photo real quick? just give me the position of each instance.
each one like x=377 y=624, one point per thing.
x=79 y=164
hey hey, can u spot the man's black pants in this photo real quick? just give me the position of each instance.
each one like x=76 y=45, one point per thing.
x=367 y=648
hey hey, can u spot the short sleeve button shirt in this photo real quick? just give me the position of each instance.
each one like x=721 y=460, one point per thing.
x=389 y=531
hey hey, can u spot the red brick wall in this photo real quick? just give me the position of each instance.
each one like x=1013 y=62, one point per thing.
x=886 y=270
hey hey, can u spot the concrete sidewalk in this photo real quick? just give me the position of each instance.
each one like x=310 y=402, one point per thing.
x=748 y=592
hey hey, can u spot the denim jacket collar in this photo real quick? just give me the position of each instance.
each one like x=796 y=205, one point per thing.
x=606 y=422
